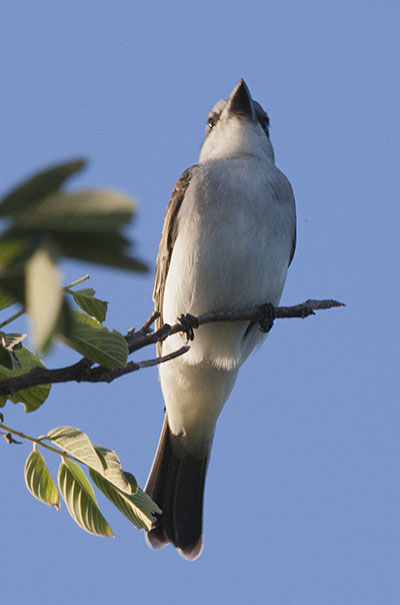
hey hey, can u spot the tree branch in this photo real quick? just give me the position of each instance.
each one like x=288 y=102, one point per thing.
x=83 y=370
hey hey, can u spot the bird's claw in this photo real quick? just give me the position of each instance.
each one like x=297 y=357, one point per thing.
x=267 y=316
x=188 y=323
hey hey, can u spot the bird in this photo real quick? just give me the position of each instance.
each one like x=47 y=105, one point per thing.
x=228 y=238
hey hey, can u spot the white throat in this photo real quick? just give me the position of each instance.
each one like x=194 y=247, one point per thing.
x=236 y=136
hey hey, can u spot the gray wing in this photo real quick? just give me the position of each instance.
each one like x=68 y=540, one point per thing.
x=168 y=238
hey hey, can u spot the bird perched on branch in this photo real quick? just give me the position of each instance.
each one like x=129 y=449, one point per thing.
x=228 y=238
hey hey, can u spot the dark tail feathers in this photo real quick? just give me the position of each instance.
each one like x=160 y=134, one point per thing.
x=176 y=484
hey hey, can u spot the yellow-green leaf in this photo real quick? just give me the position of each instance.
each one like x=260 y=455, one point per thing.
x=138 y=508
x=113 y=469
x=80 y=499
x=11 y=340
x=77 y=443
x=39 y=480
x=44 y=295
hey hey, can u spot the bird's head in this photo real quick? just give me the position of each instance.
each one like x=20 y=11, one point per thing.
x=237 y=126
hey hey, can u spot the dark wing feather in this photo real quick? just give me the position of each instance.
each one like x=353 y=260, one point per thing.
x=293 y=247
x=168 y=238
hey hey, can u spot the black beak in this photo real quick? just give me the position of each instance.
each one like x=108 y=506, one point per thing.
x=240 y=101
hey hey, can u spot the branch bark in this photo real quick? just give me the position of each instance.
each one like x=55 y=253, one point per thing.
x=83 y=370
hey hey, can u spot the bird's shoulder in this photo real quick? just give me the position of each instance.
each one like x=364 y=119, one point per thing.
x=168 y=236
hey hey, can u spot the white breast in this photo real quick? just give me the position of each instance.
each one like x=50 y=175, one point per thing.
x=235 y=232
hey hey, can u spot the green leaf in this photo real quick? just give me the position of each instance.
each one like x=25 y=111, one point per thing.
x=12 y=281
x=87 y=302
x=9 y=342
x=80 y=499
x=5 y=300
x=33 y=397
x=113 y=470
x=65 y=324
x=15 y=251
x=39 y=481
x=105 y=248
x=44 y=295
x=139 y=508
x=77 y=443
x=102 y=248
x=94 y=210
x=6 y=358
x=104 y=461
x=95 y=342
x=10 y=247
x=40 y=185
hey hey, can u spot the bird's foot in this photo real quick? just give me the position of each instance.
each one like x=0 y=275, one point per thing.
x=267 y=316
x=188 y=323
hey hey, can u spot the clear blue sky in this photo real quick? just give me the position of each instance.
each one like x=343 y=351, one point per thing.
x=302 y=499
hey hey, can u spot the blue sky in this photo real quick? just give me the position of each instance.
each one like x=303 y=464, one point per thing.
x=302 y=498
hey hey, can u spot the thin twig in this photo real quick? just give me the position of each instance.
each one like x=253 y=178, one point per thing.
x=10 y=319
x=147 y=325
x=77 y=282
x=35 y=440
x=83 y=370
x=100 y=374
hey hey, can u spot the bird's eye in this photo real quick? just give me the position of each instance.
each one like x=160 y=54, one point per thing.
x=263 y=119
x=212 y=121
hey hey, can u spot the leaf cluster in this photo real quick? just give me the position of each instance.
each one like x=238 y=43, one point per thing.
x=75 y=449
x=43 y=223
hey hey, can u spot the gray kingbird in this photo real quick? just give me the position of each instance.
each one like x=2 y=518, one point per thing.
x=228 y=238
